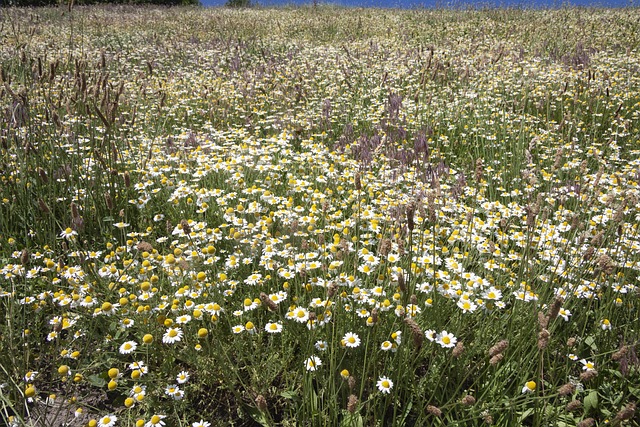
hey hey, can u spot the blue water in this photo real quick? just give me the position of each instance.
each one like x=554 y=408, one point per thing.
x=408 y=4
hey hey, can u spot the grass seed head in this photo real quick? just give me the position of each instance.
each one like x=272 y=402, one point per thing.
x=434 y=410
x=587 y=422
x=626 y=414
x=261 y=403
x=566 y=389
x=496 y=359
x=351 y=382
x=468 y=400
x=416 y=333
x=352 y=404
x=574 y=405
x=588 y=375
x=500 y=347
x=458 y=349
x=555 y=308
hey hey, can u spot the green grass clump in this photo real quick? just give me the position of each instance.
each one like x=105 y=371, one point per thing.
x=319 y=217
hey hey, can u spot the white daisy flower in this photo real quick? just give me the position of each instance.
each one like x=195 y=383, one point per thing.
x=313 y=363
x=384 y=385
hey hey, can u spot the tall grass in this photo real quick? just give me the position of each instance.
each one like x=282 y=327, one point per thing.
x=319 y=217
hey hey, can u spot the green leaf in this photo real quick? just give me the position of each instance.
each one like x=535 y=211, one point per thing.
x=352 y=420
x=257 y=415
x=292 y=395
x=591 y=401
x=525 y=415
x=615 y=373
x=591 y=342
x=406 y=412
x=96 y=380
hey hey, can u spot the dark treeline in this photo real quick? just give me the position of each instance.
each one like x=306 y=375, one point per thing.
x=28 y=3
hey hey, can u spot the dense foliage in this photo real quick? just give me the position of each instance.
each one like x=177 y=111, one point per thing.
x=319 y=216
x=38 y=3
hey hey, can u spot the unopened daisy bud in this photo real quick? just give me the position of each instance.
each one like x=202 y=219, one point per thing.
x=587 y=422
x=128 y=402
x=352 y=404
x=434 y=410
x=574 y=405
x=468 y=400
x=588 y=375
x=626 y=414
x=261 y=403
x=351 y=382
x=112 y=385
x=202 y=332
x=30 y=391
x=500 y=347
x=566 y=389
x=147 y=339
x=458 y=349
x=250 y=327
x=344 y=374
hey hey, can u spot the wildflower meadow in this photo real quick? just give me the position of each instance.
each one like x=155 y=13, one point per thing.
x=319 y=216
